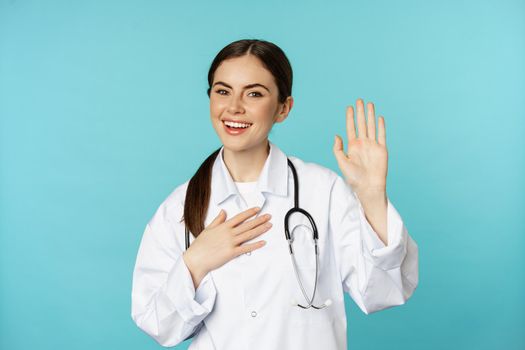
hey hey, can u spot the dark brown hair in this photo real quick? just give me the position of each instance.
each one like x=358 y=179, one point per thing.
x=273 y=58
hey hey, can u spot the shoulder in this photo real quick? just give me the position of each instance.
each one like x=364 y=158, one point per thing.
x=177 y=196
x=321 y=179
x=314 y=172
x=323 y=187
x=171 y=209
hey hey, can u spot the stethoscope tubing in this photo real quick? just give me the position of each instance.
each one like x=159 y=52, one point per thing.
x=289 y=239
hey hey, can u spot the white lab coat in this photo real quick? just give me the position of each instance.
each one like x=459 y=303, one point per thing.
x=246 y=303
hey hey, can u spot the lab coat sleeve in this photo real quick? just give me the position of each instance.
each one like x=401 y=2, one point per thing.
x=165 y=304
x=376 y=276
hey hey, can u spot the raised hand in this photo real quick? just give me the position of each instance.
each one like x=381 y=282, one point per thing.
x=365 y=163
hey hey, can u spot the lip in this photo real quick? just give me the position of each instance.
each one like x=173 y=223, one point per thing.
x=234 y=132
x=235 y=121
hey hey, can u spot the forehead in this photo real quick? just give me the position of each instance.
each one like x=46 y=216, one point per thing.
x=243 y=70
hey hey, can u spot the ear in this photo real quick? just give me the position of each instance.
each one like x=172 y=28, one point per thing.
x=284 y=109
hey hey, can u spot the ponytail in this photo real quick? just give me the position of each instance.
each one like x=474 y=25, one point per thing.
x=275 y=61
x=198 y=196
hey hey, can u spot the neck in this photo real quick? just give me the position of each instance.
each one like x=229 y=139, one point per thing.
x=246 y=166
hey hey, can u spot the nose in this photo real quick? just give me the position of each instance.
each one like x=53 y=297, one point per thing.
x=236 y=105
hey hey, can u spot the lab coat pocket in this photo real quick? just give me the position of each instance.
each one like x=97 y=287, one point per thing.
x=310 y=316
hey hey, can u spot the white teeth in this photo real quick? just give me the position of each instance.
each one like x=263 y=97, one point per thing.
x=236 y=125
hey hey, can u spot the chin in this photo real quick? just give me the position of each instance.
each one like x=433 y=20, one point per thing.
x=239 y=147
x=236 y=146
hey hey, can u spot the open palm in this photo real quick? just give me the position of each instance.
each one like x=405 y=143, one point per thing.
x=365 y=163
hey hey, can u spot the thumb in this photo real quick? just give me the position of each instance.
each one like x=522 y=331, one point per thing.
x=338 y=149
x=219 y=219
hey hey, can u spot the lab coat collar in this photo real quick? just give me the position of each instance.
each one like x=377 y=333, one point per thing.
x=273 y=178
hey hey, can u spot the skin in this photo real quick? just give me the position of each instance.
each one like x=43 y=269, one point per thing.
x=245 y=155
x=364 y=165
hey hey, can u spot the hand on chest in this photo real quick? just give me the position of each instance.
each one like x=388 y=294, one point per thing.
x=267 y=273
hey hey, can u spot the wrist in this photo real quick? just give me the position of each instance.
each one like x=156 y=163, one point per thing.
x=372 y=195
x=195 y=269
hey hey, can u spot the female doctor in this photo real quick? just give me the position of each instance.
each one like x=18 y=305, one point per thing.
x=238 y=285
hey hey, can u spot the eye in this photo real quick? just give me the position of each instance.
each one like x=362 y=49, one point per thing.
x=257 y=93
x=221 y=90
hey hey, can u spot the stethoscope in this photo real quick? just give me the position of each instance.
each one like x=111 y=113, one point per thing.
x=290 y=239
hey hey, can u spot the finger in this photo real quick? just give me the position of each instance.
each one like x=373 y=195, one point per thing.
x=237 y=219
x=338 y=149
x=218 y=219
x=381 y=131
x=371 y=122
x=361 y=123
x=350 y=126
x=245 y=248
x=248 y=225
x=251 y=234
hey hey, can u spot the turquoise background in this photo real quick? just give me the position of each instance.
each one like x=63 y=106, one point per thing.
x=104 y=112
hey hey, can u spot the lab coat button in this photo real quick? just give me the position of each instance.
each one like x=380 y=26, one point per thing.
x=254 y=313
x=249 y=253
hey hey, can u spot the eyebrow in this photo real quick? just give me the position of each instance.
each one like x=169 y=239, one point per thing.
x=249 y=86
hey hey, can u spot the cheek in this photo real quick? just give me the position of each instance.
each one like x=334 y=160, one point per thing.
x=264 y=111
x=216 y=110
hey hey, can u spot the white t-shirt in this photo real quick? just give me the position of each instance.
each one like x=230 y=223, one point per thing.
x=247 y=192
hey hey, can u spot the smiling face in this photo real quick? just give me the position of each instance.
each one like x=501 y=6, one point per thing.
x=244 y=103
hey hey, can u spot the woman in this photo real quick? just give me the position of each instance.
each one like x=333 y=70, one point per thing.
x=236 y=286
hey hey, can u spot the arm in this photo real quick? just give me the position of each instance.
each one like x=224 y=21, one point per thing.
x=376 y=276
x=165 y=304
x=375 y=206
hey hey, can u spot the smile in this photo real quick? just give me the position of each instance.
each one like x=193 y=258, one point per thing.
x=235 y=128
